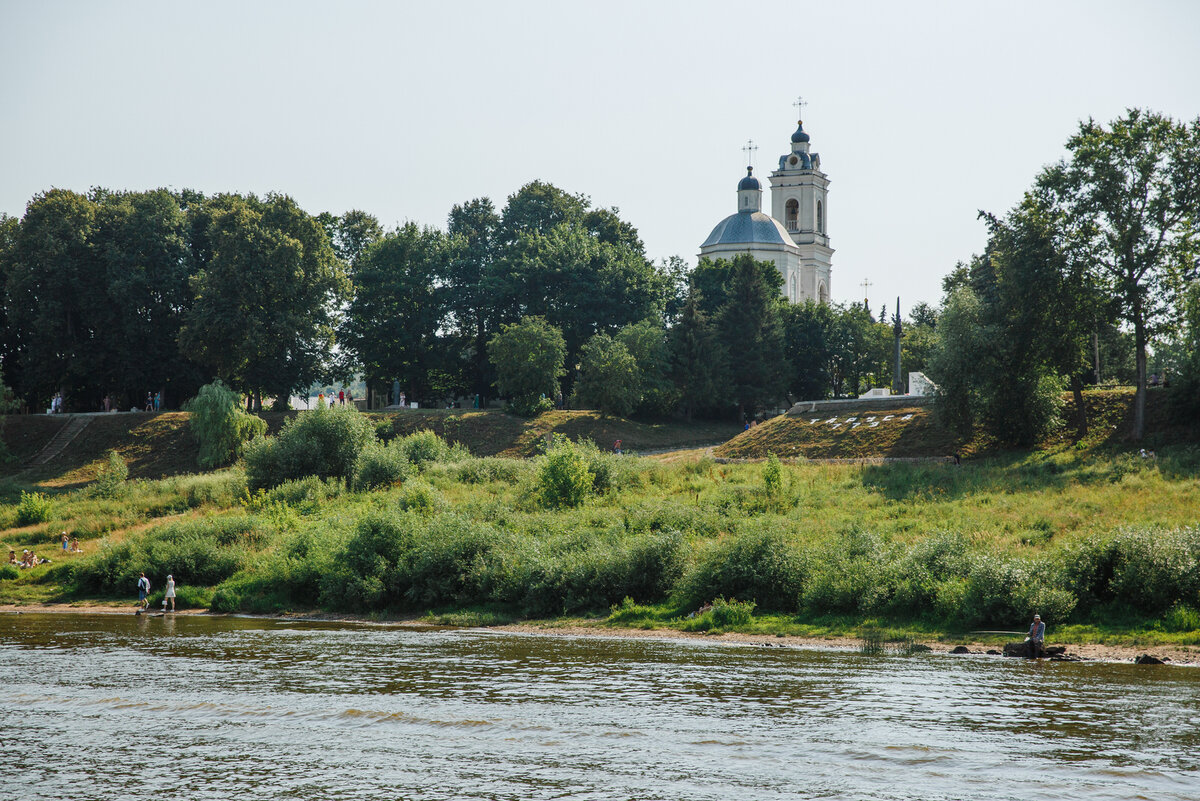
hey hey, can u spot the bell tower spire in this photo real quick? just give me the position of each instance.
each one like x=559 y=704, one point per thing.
x=800 y=200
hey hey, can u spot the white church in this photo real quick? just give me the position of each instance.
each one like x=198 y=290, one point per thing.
x=794 y=236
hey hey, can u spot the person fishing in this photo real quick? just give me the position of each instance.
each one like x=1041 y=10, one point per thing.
x=1037 y=637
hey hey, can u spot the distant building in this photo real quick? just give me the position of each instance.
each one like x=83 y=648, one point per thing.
x=794 y=236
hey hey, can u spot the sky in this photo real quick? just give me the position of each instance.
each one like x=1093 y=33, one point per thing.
x=924 y=113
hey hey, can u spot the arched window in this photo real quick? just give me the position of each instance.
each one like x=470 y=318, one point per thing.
x=791 y=215
x=822 y=293
x=820 y=218
x=745 y=201
x=795 y=296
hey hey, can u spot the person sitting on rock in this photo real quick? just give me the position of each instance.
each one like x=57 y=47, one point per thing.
x=1037 y=637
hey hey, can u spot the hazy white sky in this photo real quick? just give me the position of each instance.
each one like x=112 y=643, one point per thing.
x=922 y=112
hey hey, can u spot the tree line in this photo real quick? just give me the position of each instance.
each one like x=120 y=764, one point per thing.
x=115 y=294
x=1091 y=277
x=1097 y=263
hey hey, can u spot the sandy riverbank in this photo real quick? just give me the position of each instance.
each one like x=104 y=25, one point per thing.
x=1174 y=654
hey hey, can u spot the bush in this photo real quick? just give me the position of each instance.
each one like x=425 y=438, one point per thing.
x=417 y=496
x=9 y=572
x=425 y=448
x=1181 y=618
x=308 y=494
x=849 y=574
x=110 y=479
x=723 y=615
x=492 y=468
x=564 y=478
x=203 y=552
x=772 y=476
x=33 y=507
x=597 y=574
x=763 y=566
x=219 y=425
x=324 y=442
x=528 y=405
x=382 y=466
x=1149 y=571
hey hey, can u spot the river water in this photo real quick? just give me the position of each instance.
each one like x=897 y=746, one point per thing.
x=121 y=707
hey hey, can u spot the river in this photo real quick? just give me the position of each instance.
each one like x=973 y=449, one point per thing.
x=193 y=707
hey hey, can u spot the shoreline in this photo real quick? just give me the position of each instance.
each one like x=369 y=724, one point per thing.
x=1178 y=655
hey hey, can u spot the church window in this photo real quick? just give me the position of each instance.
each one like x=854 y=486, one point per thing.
x=792 y=215
x=822 y=293
x=795 y=289
x=820 y=218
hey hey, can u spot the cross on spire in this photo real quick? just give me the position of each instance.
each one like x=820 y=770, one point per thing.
x=866 y=285
x=799 y=106
x=749 y=149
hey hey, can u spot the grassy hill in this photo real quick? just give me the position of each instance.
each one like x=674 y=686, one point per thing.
x=915 y=431
x=159 y=445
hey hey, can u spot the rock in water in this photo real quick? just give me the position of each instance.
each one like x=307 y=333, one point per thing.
x=960 y=649
x=1146 y=659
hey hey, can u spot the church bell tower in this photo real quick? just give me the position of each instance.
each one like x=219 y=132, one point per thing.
x=799 y=200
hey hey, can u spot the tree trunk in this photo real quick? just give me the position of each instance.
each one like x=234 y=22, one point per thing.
x=257 y=401
x=1081 y=422
x=1139 y=398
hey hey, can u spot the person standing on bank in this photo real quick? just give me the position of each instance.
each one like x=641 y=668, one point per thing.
x=170 y=596
x=1037 y=637
x=143 y=585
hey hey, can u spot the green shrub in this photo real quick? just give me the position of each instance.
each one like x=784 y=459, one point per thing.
x=452 y=561
x=723 y=615
x=33 y=507
x=202 y=552
x=424 y=448
x=528 y=405
x=9 y=572
x=763 y=566
x=563 y=478
x=772 y=476
x=382 y=466
x=418 y=496
x=385 y=431
x=1146 y=570
x=323 y=442
x=308 y=494
x=219 y=425
x=110 y=479
x=848 y=574
x=597 y=573
x=492 y=468
x=1181 y=618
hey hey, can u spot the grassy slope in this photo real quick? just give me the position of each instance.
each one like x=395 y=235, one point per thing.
x=1110 y=414
x=158 y=445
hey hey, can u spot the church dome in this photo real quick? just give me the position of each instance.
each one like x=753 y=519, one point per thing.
x=753 y=228
x=749 y=182
x=799 y=135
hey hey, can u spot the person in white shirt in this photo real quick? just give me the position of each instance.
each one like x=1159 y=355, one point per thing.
x=170 y=596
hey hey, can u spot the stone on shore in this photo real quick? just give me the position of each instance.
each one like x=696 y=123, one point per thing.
x=1021 y=649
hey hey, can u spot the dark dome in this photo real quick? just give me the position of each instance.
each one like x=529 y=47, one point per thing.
x=800 y=135
x=749 y=182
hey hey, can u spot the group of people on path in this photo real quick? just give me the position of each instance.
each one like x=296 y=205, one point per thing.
x=343 y=397
x=143 y=588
